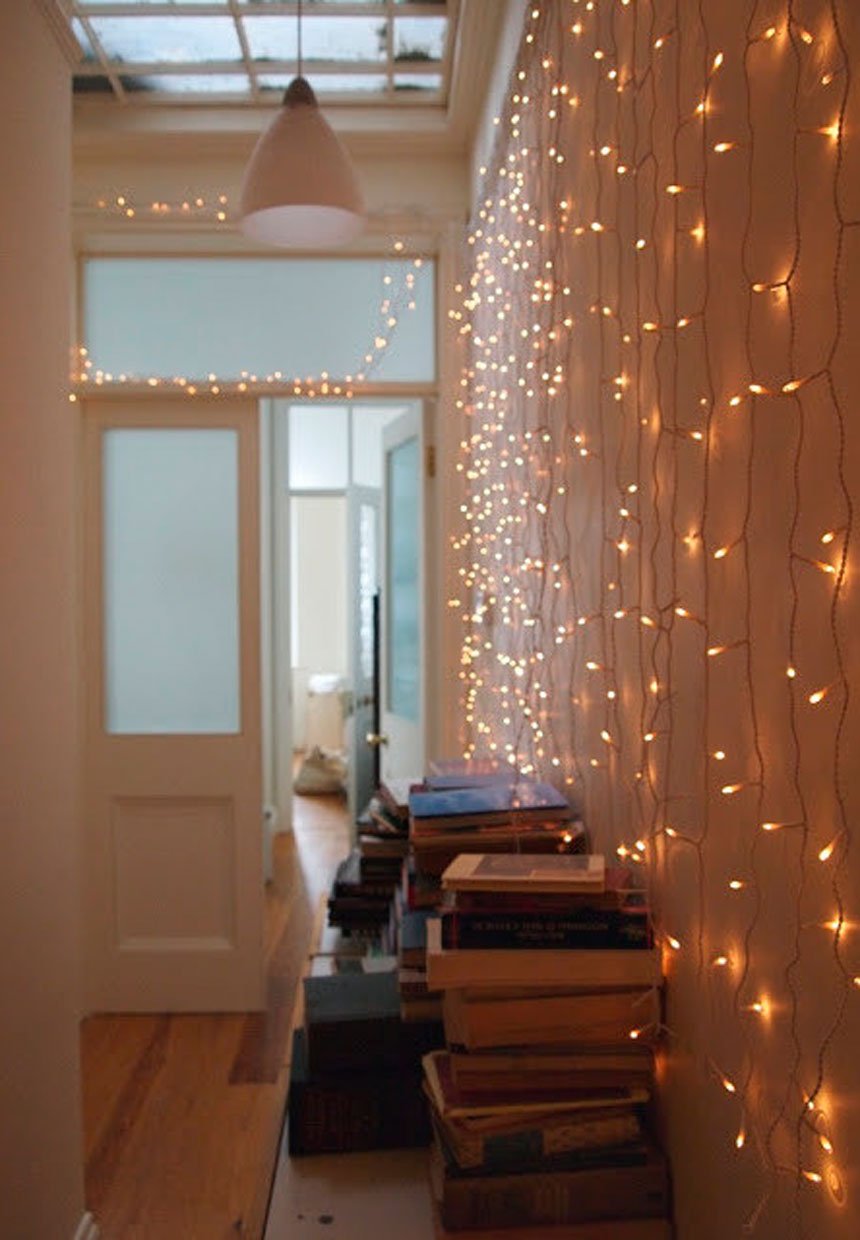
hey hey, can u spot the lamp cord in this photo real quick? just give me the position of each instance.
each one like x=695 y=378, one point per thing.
x=299 y=16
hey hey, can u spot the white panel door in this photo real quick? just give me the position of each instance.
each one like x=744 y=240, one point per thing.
x=402 y=649
x=172 y=784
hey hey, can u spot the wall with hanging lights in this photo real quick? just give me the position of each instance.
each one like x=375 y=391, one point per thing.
x=655 y=554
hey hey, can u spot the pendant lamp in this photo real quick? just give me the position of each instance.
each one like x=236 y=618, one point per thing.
x=300 y=190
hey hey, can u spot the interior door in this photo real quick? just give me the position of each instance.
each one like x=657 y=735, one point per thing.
x=402 y=609
x=172 y=785
x=362 y=590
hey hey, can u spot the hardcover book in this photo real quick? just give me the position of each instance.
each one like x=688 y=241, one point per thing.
x=364 y=1111
x=526 y=873
x=482 y=1072
x=582 y=927
x=449 y=1100
x=533 y=1139
x=352 y=1023
x=486 y=804
x=611 y=1229
x=580 y=1194
x=476 y=1019
x=610 y=967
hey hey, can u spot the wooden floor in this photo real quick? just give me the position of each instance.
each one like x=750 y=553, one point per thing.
x=182 y=1114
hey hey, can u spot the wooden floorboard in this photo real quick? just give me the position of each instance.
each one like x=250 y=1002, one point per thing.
x=182 y=1114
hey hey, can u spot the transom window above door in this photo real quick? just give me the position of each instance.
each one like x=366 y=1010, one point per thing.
x=367 y=51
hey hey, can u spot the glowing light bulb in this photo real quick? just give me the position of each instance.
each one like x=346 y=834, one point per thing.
x=720 y=962
x=673 y=942
x=729 y=790
x=818 y=696
x=740 y=1139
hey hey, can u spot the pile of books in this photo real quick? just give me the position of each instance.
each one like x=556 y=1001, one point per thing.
x=360 y=900
x=551 y=1005
x=493 y=813
x=355 y=1071
x=464 y=807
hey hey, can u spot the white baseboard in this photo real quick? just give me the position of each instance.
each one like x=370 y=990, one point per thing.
x=88 y=1228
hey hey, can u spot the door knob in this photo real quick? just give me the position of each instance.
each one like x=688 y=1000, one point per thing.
x=375 y=739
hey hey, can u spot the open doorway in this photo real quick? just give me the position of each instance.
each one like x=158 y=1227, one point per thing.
x=328 y=555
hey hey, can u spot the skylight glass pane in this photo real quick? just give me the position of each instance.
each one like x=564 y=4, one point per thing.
x=174 y=40
x=87 y=52
x=417 y=38
x=330 y=83
x=197 y=83
x=323 y=38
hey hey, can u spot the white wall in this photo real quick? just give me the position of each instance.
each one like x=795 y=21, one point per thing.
x=41 y=1191
x=497 y=91
x=319 y=545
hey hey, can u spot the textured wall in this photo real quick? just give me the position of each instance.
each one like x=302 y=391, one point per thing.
x=657 y=554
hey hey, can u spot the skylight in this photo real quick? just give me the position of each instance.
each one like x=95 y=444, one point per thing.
x=163 y=51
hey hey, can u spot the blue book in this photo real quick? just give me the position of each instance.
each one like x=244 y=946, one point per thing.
x=489 y=804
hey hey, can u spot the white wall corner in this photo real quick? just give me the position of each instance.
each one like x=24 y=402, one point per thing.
x=87 y=1229
x=506 y=55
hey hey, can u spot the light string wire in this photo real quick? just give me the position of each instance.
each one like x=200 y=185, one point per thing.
x=395 y=301
x=594 y=338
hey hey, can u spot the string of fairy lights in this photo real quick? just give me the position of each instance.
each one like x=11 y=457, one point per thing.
x=397 y=298
x=655 y=534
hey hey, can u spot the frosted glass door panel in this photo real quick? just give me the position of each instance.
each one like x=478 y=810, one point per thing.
x=403 y=581
x=171 y=594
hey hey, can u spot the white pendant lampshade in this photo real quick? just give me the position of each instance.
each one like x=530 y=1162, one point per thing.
x=300 y=189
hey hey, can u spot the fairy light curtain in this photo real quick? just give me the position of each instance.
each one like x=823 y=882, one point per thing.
x=658 y=603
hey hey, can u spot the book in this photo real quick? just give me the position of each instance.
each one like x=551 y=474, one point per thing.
x=579 y=1194
x=533 y=1139
x=394 y=795
x=582 y=927
x=485 y=805
x=413 y=937
x=449 y=1100
x=352 y=1023
x=610 y=967
x=551 y=1070
x=478 y=1019
x=612 y=1229
x=354 y=1112
x=526 y=873
x=434 y=853
x=618 y=892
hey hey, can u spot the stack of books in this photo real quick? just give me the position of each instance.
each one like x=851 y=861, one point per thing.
x=355 y=1071
x=551 y=1005
x=360 y=901
x=455 y=814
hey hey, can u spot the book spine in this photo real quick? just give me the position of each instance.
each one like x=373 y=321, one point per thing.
x=598 y=929
x=555 y=1198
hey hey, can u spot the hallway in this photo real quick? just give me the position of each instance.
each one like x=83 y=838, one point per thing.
x=182 y=1113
